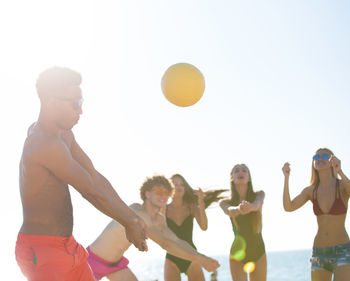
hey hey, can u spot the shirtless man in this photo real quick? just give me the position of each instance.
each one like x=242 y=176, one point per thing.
x=52 y=159
x=106 y=252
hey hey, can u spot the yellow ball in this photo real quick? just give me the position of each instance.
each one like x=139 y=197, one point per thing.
x=183 y=84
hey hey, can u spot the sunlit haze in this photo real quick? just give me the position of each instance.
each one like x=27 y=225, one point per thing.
x=277 y=88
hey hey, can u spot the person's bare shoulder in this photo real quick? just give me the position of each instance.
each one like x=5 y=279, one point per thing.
x=36 y=142
x=39 y=144
x=136 y=206
x=309 y=188
x=138 y=209
x=308 y=191
x=40 y=148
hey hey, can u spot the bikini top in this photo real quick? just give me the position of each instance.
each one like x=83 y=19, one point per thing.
x=338 y=207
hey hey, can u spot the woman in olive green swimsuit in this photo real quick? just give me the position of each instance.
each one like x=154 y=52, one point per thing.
x=186 y=205
x=244 y=209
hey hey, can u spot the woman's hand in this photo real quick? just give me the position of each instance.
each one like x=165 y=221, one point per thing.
x=245 y=207
x=200 y=195
x=233 y=211
x=336 y=164
x=286 y=169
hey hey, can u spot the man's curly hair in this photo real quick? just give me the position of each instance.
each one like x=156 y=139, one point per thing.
x=149 y=183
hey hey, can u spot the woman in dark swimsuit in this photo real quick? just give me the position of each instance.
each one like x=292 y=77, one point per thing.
x=244 y=209
x=329 y=195
x=186 y=205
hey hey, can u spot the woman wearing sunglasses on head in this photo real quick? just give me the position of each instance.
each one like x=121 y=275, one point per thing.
x=186 y=205
x=329 y=195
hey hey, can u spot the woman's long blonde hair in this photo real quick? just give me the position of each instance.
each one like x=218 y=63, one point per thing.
x=250 y=197
x=315 y=177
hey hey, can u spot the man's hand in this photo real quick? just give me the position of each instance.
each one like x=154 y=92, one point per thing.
x=136 y=234
x=208 y=263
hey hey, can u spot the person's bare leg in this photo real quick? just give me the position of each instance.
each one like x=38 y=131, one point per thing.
x=259 y=274
x=122 y=275
x=342 y=273
x=237 y=272
x=195 y=273
x=321 y=275
x=171 y=272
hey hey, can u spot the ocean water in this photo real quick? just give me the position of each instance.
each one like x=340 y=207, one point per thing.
x=281 y=266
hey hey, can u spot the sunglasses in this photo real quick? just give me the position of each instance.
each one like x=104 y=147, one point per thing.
x=324 y=156
x=161 y=192
x=77 y=104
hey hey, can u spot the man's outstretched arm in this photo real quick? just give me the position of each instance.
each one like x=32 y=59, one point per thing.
x=165 y=238
x=57 y=158
x=83 y=159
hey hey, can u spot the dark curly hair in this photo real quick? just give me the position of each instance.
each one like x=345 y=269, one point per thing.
x=149 y=183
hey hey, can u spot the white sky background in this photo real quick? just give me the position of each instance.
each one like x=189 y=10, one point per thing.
x=277 y=88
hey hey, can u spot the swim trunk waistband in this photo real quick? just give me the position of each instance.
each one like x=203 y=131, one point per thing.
x=45 y=239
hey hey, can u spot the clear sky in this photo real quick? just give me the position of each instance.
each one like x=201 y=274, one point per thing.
x=277 y=88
